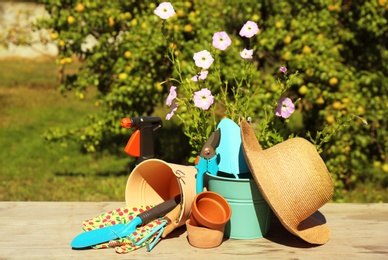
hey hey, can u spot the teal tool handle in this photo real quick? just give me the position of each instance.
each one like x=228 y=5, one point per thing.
x=204 y=166
x=201 y=170
x=159 y=210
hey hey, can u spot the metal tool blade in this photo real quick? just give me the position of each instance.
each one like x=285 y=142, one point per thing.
x=208 y=149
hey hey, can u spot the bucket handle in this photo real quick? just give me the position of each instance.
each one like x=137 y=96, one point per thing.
x=180 y=175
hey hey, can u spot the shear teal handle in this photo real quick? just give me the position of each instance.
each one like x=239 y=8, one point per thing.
x=201 y=170
x=204 y=166
x=207 y=160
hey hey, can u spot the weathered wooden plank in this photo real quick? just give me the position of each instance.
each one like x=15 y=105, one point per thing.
x=44 y=230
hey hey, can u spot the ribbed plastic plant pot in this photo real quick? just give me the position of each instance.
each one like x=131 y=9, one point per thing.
x=252 y=215
x=154 y=181
x=211 y=210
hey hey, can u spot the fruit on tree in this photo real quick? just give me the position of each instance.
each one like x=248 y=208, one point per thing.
x=70 y=19
x=303 y=90
x=333 y=81
x=79 y=7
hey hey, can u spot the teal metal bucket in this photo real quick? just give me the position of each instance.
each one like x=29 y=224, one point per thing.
x=251 y=215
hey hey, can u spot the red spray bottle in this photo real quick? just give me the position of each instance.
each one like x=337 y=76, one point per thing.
x=141 y=143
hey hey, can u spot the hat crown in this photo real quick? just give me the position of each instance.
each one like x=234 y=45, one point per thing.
x=299 y=176
x=293 y=179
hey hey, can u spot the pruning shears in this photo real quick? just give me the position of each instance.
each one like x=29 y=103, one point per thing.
x=207 y=161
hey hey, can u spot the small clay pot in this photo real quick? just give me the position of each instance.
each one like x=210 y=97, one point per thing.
x=211 y=210
x=203 y=237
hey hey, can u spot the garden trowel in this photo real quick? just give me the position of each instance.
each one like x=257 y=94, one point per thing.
x=232 y=160
x=101 y=235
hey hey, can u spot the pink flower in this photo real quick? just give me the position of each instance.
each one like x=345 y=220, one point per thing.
x=221 y=40
x=203 y=59
x=246 y=54
x=249 y=29
x=203 y=99
x=165 y=10
x=285 y=108
x=171 y=96
x=200 y=76
x=172 y=111
x=283 y=69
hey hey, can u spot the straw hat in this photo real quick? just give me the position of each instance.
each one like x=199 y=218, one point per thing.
x=294 y=181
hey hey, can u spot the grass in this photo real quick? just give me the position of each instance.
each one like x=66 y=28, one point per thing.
x=34 y=170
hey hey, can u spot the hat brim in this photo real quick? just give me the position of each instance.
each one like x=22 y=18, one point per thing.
x=293 y=186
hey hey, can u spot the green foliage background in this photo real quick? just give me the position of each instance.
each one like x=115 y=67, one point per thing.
x=337 y=47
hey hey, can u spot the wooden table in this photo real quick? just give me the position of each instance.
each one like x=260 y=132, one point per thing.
x=44 y=230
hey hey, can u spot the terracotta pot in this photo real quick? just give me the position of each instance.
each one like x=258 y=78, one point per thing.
x=211 y=210
x=203 y=237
